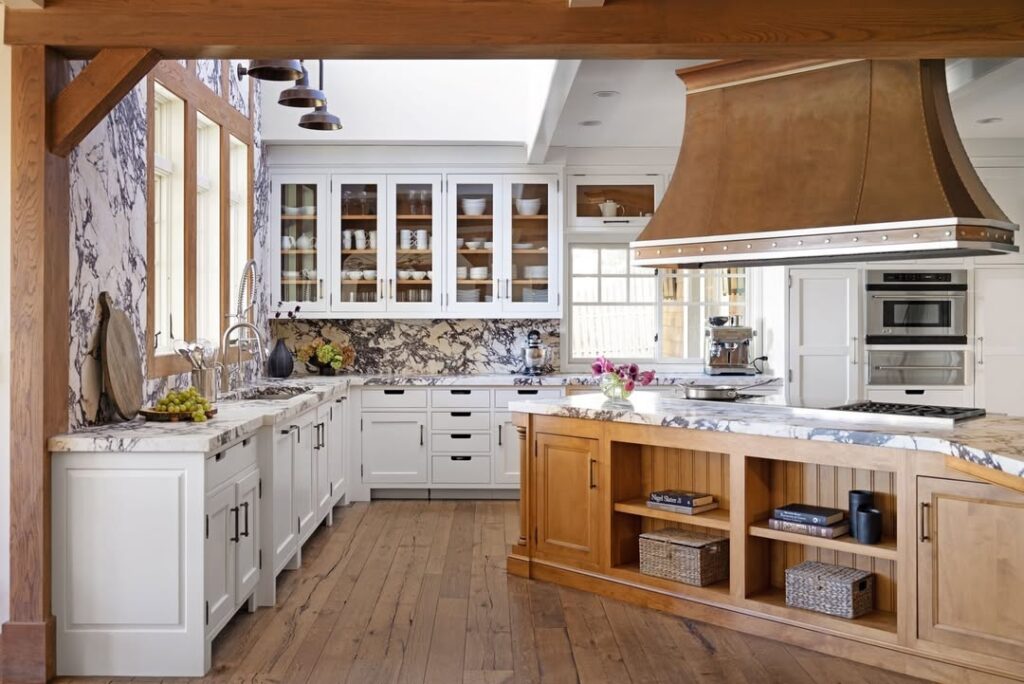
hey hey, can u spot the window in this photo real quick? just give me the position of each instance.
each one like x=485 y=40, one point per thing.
x=621 y=310
x=200 y=223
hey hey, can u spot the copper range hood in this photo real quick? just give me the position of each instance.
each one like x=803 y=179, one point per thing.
x=815 y=162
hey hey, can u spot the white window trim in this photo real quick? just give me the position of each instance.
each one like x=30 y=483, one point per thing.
x=754 y=308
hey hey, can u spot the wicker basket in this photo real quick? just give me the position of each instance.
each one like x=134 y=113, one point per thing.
x=684 y=556
x=831 y=589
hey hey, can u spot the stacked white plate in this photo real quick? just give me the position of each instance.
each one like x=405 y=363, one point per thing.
x=479 y=273
x=535 y=272
x=472 y=295
x=534 y=295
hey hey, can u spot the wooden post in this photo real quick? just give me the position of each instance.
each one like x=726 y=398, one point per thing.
x=39 y=356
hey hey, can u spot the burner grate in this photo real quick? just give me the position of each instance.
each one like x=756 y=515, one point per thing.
x=918 y=410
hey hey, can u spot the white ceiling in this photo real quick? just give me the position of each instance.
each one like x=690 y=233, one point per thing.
x=648 y=112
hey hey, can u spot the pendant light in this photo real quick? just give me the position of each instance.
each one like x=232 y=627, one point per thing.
x=320 y=119
x=301 y=94
x=272 y=69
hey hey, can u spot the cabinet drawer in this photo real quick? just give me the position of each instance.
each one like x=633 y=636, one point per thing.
x=931 y=397
x=503 y=396
x=460 y=420
x=475 y=398
x=395 y=398
x=221 y=465
x=460 y=443
x=461 y=470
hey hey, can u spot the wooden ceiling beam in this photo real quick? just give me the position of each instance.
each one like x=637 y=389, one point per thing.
x=699 y=29
x=83 y=103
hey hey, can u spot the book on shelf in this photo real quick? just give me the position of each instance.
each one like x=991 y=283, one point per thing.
x=685 y=510
x=839 y=529
x=679 y=497
x=810 y=515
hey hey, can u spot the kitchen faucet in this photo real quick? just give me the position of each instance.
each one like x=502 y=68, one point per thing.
x=228 y=371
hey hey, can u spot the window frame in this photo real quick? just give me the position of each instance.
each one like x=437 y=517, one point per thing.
x=752 y=306
x=197 y=97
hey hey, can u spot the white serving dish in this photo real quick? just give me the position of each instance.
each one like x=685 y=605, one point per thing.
x=474 y=244
x=473 y=206
x=419 y=275
x=528 y=207
x=369 y=275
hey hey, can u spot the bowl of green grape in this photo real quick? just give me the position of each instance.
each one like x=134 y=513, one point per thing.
x=181 y=405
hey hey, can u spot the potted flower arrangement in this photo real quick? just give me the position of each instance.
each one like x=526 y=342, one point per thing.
x=325 y=357
x=618 y=382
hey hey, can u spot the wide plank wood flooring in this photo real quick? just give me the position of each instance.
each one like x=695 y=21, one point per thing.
x=416 y=591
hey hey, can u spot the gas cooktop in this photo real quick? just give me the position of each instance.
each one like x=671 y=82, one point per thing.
x=953 y=413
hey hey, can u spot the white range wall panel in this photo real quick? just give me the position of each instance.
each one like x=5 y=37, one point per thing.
x=999 y=339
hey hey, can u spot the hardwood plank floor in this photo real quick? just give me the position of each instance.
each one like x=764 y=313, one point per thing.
x=416 y=591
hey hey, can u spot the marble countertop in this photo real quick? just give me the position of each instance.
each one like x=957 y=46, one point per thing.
x=236 y=419
x=994 y=441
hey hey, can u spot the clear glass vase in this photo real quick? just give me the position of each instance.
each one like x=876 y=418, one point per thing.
x=613 y=387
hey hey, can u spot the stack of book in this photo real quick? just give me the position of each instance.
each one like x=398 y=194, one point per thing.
x=678 y=501
x=816 y=521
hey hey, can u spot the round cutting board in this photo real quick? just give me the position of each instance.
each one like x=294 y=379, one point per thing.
x=122 y=363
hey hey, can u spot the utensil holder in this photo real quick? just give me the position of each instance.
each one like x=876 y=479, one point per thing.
x=859 y=498
x=205 y=381
x=869 y=525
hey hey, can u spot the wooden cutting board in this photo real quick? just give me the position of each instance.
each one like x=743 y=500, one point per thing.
x=122 y=362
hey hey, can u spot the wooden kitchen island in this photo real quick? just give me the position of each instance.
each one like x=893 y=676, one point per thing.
x=949 y=596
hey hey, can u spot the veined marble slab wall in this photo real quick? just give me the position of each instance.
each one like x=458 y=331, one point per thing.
x=108 y=246
x=434 y=347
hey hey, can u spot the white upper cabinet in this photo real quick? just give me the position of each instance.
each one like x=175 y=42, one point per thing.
x=474 y=213
x=358 y=231
x=613 y=203
x=300 y=239
x=530 y=246
x=414 y=242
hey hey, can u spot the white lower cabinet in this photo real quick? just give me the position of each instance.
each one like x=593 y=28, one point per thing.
x=506 y=453
x=999 y=339
x=461 y=469
x=337 y=449
x=304 y=505
x=321 y=454
x=220 y=557
x=248 y=558
x=394 y=447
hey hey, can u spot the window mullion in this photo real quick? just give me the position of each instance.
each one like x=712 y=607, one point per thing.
x=191 y=217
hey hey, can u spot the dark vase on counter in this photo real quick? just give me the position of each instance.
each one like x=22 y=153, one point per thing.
x=280 y=363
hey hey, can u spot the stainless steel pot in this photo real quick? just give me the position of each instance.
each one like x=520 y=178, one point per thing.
x=719 y=392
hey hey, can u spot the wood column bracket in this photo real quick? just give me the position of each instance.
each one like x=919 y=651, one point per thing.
x=80 y=106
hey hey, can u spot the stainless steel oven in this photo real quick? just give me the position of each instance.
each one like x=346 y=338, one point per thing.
x=916 y=307
x=915 y=368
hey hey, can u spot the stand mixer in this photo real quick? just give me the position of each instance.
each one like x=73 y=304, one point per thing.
x=536 y=355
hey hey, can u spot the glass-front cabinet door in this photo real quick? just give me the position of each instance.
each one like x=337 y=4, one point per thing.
x=414 y=243
x=475 y=217
x=608 y=203
x=530 y=246
x=360 y=235
x=299 y=207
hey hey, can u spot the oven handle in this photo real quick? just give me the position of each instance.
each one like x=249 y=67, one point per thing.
x=930 y=368
x=920 y=296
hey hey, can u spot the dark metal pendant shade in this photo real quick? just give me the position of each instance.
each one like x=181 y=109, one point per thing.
x=274 y=69
x=320 y=120
x=302 y=95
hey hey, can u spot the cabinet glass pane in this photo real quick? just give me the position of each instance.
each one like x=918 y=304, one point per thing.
x=414 y=241
x=359 y=239
x=299 y=268
x=474 y=242
x=612 y=201
x=530 y=218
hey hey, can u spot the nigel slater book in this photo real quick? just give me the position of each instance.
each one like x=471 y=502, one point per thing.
x=678 y=497
x=810 y=515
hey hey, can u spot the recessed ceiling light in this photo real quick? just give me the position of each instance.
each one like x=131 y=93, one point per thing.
x=606 y=93
x=590 y=122
x=990 y=120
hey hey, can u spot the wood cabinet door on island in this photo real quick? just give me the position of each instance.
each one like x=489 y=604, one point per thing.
x=971 y=566
x=568 y=504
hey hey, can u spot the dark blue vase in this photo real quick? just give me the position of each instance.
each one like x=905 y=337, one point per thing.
x=280 y=363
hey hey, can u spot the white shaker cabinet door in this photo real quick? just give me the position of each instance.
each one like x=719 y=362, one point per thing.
x=304 y=476
x=247 y=570
x=394 y=447
x=999 y=339
x=337 y=448
x=506 y=444
x=285 y=531
x=825 y=338
x=219 y=553
x=321 y=448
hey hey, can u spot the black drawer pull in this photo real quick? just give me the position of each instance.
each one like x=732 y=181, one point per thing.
x=461 y=458
x=461 y=414
x=393 y=392
x=460 y=436
x=460 y=391
x=219 y=457
x=245 y=442
x=913 y=391
x=526 y=391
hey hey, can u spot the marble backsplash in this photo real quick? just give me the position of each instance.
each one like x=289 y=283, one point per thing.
x=434 y=347
x=108 y=246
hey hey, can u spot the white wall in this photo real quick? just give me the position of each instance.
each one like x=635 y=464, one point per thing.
x=5 y=324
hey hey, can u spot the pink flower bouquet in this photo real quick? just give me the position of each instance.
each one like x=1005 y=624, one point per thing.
x=618 y=382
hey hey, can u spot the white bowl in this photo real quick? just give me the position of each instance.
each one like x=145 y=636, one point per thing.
x=430 y=275
x=522 y=245
x=369 y=275
x=531 y=272
x=459 y=242
x=289 y=275
x=461 y=272
x=528 y=207
x=419 y=275
x=488 y=245
x=475 y=244
x=354 y=275
x=404 y=275
x=473 y=206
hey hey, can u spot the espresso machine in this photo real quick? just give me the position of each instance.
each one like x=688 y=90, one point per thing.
x=727 y=348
